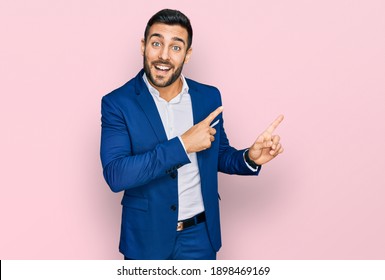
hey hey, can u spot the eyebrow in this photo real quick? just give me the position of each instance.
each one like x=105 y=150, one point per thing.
x=173 y=38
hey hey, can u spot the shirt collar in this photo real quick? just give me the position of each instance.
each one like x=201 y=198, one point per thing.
x=155 y=92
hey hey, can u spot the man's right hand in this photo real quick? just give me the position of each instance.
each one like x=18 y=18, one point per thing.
x=200 y=136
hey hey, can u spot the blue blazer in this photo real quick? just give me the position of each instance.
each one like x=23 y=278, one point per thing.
x=138 y=159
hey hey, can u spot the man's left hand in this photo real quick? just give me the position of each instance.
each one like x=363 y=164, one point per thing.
x=267 y=146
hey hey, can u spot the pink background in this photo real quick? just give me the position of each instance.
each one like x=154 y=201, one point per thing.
x=320 y=63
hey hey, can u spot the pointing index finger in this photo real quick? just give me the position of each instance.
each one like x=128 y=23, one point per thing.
x=213 y=115
x=274 y=124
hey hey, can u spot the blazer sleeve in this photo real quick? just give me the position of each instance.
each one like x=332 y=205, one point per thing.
x=231 y=160
x=121 y=168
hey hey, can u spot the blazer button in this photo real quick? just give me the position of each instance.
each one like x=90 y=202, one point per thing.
x=173 y=207
x=174 y=174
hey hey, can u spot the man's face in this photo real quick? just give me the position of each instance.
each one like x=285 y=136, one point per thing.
x=164 y=53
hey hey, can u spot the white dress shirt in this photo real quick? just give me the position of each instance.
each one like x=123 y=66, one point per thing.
x=177 y=118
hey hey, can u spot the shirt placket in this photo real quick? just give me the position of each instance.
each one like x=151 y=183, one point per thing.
x=171 y=120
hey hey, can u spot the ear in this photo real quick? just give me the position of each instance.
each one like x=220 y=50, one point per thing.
x=188 y=55
x=142 y=46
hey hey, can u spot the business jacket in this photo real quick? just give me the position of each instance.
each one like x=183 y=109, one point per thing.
x=138 y=159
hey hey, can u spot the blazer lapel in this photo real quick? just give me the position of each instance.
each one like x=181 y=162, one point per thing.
x=147 y=103
x=197 y=102
x=199 y=114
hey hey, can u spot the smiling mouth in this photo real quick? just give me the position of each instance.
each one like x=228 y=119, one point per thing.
x=163 y=68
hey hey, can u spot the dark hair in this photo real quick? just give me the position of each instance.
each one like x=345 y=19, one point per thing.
x=171 y=17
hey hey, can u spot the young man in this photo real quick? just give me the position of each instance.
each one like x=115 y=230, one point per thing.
x=163 y=143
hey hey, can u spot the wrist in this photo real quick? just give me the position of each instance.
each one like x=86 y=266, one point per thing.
x=249 y=161
x=185 y=143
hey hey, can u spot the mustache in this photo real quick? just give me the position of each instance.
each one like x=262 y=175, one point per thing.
x=164 y=62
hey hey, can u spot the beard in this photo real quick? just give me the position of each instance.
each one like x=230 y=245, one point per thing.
x=159 y=81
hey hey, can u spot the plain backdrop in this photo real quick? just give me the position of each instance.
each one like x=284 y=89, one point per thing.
x=320 y=63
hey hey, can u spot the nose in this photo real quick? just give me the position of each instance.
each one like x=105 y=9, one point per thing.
x=163 y=54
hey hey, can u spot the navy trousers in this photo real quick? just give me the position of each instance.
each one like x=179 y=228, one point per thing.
x=192 y=244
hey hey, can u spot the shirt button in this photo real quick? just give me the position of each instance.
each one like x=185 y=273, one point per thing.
x=173 y=207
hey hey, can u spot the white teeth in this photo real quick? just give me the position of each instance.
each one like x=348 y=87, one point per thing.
x=163 y=68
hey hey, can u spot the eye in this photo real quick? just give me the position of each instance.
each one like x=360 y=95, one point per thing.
x=176 y=48
x=155 y=44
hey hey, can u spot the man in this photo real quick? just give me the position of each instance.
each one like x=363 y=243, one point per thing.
x=163 y=143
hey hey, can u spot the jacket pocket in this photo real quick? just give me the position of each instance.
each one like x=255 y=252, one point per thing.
x=135 y=202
